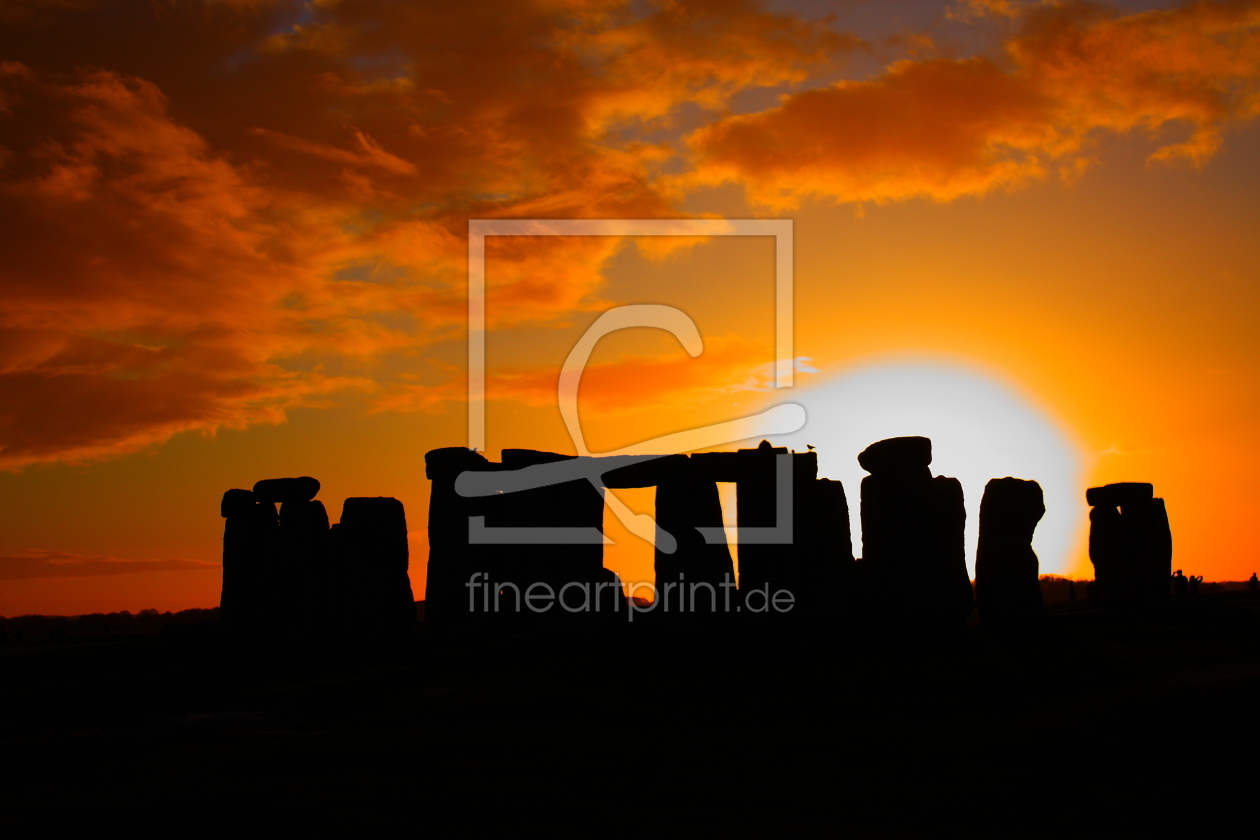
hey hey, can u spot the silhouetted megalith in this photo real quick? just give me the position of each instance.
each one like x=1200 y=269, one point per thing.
x=1007 y=571
x=912 y=535
x=1119 y=494
x=1161 y=546
x=565 y=508
x=280 y=490
x=371 y=560
x=823 y=548
x=453 y=559
x=716 y=466
x=767 y=563
x=690 y=579
x=897 y=455
x=1108 y=553
x=1148 y=542
x=307 y=566
x=236 y=502
x=648 y=472
x=1130 y=547
x=950 y=527
x=793 y=536
x=252 y=565
x=524 y=534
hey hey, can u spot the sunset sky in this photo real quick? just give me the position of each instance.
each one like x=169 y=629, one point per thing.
x=235 y=247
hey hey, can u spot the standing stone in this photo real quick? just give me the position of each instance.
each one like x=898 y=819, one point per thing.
x=1008 y=592
x=912 y=535
x=553 y=565
x=959 y=599
x=252 y=561
x=453 y=560
x=307 y=559
x=371 y=559
x=1148 y=543
x=766 y=563
x=1108 y=553
x=809 y=559
x=1130 y=544
x=494 y=577
x=691 y=578
x=1161 y=547
x=823 y=548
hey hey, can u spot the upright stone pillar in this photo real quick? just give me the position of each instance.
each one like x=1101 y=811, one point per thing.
x=810 y=555
x=822 y=548
x=307 y=554
x=370 y=545
x=1008 y=592
x=691 y=578
x=1130 y=544
x=300 y=571
x=577 y=504
x=1148 y=540
x=912 y=534
x=765 y=567
x=453 y=560
x=251 y=564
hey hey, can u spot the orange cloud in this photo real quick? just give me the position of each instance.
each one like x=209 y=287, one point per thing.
x=25 y=564
x=945 y=128
x=248 y=206
x=367 y=152
x=728 y=363
x=968 y=10
x=143 y=281
x=213 y=213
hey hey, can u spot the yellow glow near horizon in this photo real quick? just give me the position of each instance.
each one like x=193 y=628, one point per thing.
x=981 y=428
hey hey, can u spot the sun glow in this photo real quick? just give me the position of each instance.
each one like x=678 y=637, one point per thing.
x=981 y=428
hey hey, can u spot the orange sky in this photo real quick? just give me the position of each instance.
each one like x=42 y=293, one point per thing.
x=235 y=245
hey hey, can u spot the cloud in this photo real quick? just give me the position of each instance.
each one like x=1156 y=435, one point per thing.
x=633 y=382
x=968 y=10
x=25 y=564
x=367 y=152
x=948 y=127
x=144 y=275
x=213 y=213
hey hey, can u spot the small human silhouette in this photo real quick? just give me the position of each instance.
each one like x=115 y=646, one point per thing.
x=1253 y=583
x=1180 y=584
x=1194 y=582
x=1071 y=590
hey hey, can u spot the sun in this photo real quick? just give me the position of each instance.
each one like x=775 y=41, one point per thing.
x=980 y=426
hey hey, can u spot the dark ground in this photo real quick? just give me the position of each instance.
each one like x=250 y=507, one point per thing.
x=1100 y=725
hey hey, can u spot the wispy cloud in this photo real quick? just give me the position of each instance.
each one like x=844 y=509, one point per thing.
x=943 y=128
x=24 y=564
x=178 y=221
x=188 y=192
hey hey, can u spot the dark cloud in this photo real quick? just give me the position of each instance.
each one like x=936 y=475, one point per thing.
x=944 y=128
x=191 y=193
x=25 y=564
x=212 y=212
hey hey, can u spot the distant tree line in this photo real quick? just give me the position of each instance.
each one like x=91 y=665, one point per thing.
x=26 y=628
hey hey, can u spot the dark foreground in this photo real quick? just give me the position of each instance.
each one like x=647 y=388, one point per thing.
x=1099 y=725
